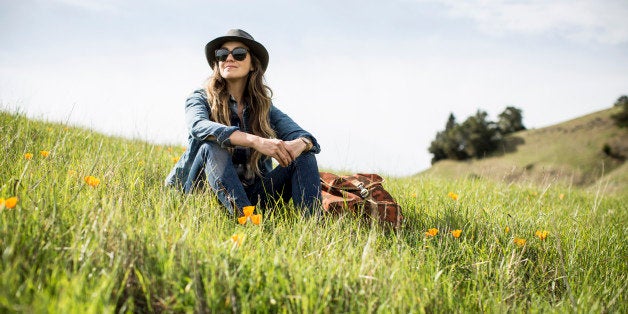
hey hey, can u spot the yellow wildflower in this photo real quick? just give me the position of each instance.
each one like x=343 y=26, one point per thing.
x=1 y=203
x=507 y=229
x=237 y=239
x=431 y=232
x=92 y=181
x=453 y=196
x=541 y=234
x=456 y=233
x=28 y=156
x=520 y=242
x=44 y=153
x=561 y=196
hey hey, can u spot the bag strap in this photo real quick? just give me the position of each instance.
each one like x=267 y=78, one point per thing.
x=332 y=181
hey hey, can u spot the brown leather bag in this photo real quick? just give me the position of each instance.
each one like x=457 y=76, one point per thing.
x=362 y=194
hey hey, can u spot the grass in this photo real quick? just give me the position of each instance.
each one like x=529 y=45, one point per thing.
x=131 y=245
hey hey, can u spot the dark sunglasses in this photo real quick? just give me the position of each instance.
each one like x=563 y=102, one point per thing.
x=237 y=53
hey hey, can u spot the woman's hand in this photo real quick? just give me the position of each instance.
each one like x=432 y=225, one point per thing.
x=284 y=152
x=296 y=147
x=275 y=148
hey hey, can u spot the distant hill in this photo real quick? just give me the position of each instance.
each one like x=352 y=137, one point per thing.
x=587 y=152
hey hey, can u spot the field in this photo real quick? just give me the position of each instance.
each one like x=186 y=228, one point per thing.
x=119 y=241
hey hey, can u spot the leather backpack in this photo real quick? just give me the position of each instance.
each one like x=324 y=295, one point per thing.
x=362 y=194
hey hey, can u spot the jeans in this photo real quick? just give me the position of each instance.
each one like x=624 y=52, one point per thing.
x=299 y=181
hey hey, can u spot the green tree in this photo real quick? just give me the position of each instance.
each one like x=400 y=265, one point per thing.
x=510 y=120
x=481 y=136
x=448 y=144
x=621 y=118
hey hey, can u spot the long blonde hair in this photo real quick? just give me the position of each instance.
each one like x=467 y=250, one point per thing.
x=256 y=94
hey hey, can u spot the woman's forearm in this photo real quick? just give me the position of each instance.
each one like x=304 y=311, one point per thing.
x=239 y=138
x=274 y=148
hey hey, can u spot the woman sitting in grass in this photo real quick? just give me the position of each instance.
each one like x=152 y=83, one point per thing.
x=234 y=130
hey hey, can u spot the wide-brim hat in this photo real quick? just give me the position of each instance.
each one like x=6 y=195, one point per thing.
x=237 y=35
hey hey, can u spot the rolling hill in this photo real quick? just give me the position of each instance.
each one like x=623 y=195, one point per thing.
x=586 y=152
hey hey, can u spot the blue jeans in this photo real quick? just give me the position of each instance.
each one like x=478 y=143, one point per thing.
x=299 y=181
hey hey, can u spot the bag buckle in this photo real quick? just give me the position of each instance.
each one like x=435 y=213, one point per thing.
x=363 y=192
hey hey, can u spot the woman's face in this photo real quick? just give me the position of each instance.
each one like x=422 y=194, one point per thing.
x=232 y=69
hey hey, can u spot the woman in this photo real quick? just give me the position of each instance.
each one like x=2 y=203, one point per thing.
x=235 y=130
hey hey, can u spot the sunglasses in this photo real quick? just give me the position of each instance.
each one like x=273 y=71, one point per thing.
x=237 y=53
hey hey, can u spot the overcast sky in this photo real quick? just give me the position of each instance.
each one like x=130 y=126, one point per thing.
x=372 y=80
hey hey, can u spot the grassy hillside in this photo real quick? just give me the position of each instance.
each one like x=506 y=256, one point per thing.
x=127 y=244
x=569 y=153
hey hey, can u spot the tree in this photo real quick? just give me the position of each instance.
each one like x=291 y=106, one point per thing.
x=510 y=121
x=476 y=136
x=621 y=101
x=621 y=118
x=451 y=122
x=448 y=144
x=480 y=135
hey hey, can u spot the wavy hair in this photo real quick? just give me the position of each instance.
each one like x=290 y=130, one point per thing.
x=256 y=94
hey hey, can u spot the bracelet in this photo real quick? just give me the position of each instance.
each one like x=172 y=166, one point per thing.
x=308 y=143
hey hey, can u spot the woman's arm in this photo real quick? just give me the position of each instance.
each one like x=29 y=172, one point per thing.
x=197 y=119
x=283 y=152
x=290 y=131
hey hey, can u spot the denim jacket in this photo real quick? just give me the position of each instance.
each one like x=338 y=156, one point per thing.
x=200 y=127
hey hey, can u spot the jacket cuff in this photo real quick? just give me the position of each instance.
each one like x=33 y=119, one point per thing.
x=223 y=138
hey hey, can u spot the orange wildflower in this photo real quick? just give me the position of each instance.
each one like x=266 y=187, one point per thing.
x=456 y=233
x=44 y=153
x=541 y=234
x=431 y=232
x=561 y=196
x=242 y=220
x=1 y=203
x=28 y=156
x=175 y=159
x=520 y=242
x=256 y=219
x=248 y=210
x=92 y=181
x=10 y=202
x=237 y=239
x=453 y=196
x=248 y=215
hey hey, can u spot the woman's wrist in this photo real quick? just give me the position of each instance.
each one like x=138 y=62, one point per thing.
x=308 y=143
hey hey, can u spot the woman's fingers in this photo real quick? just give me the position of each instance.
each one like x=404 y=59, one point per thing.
x=283 y=154
x=277 y=149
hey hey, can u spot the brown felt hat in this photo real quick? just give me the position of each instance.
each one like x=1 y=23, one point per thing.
x=237 y=35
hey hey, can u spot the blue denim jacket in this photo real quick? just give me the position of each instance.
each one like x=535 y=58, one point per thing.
x=200 y=127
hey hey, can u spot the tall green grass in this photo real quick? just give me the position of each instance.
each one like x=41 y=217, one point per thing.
x=131 y=245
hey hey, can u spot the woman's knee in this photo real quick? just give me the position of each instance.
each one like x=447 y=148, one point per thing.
x=211 y=151
x=306 y=160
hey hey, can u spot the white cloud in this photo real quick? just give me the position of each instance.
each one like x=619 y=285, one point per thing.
x=580 y=20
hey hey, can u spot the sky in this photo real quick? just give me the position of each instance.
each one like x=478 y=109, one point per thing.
x=372 y=80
